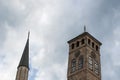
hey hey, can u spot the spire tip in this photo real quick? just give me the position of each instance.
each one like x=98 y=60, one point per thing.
x=84 y=28
x=28 y=34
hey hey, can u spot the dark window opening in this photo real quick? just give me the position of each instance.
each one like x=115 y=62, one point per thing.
x=83 y=41
x=96 y=48
x=93 y=44
x=72 y=46
x=73 y=65
x=77 y=44
x=89 y=41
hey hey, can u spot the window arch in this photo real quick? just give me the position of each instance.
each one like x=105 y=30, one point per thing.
x=89 y=41
x=73 y=65
x=82 y=41
x=93 y=44
x=77 y=44
x=96 y=48
x=93 y=55
x=80 y=62
x=73 y=45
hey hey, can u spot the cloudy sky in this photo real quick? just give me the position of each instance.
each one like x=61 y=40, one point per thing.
x=52 y=23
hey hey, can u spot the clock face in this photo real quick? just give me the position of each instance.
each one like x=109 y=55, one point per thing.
x=77 y=53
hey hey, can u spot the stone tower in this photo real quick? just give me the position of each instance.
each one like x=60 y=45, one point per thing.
x=23 y=67
x=84 y=58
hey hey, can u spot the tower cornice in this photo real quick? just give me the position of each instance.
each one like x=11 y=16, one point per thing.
x=84 y=34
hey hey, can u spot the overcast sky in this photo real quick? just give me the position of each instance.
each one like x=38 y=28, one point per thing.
x=52 y=23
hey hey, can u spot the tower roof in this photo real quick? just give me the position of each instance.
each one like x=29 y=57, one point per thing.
x=83 y=34
x=25 y=56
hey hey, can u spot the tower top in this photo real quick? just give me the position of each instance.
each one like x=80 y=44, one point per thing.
x=85 y=34
x=25 y=56
x=28 y=34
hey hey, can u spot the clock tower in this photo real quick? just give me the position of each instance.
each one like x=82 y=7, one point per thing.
x=84 y=58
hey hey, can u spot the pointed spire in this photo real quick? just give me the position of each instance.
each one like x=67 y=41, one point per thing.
x=84 y=28
x=25 y=56
x=28 y=34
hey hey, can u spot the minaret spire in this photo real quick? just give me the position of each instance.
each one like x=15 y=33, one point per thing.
x=23 y=67
x=28 y=34
x=25 y=56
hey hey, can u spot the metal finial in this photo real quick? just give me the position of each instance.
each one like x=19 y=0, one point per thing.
x=84 y=28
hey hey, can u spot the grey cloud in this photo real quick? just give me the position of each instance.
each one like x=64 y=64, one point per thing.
x=11 y=15
x=67 y=19
x=2 y=35
x=70 y=22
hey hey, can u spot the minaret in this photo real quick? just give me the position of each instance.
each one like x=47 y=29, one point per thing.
x=84 y=58
x=23 y=67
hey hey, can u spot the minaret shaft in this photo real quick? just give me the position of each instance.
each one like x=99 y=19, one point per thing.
x=22 y=73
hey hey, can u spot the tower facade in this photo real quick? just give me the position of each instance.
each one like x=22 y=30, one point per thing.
x=23 y=67
x=84 y=58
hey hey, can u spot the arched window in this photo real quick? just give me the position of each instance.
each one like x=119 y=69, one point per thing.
x=90 y=63
x=93 y=44
x=96 y=48
x=73 y=46
x=73 y=65
x=80 y=63
x=93 y=55
x=82 y=41
x=77 y=44
x=89 y=41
